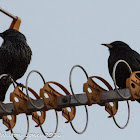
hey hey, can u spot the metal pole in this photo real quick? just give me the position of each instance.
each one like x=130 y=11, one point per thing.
x=7 y=13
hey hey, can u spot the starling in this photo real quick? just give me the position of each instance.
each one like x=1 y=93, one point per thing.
x=15 y=56
x=121 y=51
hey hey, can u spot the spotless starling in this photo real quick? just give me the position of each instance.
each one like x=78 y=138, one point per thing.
x=15 y=56
x=121 y=51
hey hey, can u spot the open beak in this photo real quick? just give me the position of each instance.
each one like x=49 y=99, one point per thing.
x=107 y=45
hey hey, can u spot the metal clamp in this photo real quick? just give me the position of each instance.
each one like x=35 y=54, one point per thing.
x=51 y=102
x=133 y=83
x=9 y=123
x=39 y=119
x=19 y=100
x=93 y=91
x=49 y=96
x=69 y=115
x=22 y=104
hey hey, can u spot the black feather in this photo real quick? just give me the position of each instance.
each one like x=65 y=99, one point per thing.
x=15 y=56
x=121 y=51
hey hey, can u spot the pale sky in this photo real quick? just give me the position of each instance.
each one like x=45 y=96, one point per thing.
x=64 y=33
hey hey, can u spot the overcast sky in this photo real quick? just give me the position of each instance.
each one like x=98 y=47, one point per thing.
x=64 y=33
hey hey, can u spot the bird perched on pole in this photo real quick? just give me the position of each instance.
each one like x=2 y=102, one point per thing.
x=15 y=56
x=121 y=51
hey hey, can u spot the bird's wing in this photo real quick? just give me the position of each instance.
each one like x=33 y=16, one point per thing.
x=133 y=58
x=137 y=56
x=5 y=60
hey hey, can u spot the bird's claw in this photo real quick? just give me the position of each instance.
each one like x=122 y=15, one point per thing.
x=20 y=84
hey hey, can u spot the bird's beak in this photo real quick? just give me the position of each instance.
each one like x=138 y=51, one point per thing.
x=107 y=45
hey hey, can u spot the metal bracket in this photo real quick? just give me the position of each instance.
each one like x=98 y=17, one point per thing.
x=39 y=119
x=69 y=115
x=133 y=83
x=19 y=100
x=9 y=123
x=21 y=106
x=93 y=91
x=52 y=101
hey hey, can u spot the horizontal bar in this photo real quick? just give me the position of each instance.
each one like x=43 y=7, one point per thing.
x=112 y=95
x=106 y=96
x=68 y=101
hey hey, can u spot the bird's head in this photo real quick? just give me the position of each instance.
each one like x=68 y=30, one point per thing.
x=12 y=34
x=116 y=45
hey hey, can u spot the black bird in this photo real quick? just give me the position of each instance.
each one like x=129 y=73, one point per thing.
x=121 y=51
x=15 y=56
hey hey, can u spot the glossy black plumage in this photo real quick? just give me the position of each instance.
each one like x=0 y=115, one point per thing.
x=15 y=56
x=121 y=51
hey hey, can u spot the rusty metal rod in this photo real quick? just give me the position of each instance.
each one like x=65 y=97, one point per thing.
x=69 y=101
x=7 y=13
